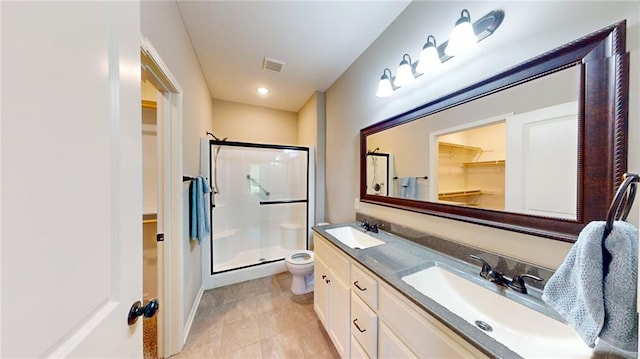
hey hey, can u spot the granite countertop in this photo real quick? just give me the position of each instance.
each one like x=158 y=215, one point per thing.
x=399 y=257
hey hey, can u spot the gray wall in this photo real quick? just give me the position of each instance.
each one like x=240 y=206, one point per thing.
x=312 y=132
x=529 y=29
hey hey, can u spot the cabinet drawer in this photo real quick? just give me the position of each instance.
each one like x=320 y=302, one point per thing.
x=424 y=335
x=364 y=285
x=357 y=351
x=390 y=346
x=338 y=262
x=364 y=325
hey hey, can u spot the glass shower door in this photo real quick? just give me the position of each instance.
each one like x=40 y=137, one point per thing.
x=259 y=202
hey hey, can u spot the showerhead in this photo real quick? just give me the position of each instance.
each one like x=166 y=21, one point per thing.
x=216 y=137
x=212 y=135
x=374 y=151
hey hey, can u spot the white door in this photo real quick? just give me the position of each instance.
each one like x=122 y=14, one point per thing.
x=71 y=179
x=542 y=162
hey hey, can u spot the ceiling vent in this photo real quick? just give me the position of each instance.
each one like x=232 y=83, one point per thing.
x=272 y=65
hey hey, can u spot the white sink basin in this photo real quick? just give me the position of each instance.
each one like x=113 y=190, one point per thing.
x=354 y=238
x=525 y=331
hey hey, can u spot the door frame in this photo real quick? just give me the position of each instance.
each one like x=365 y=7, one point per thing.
x=170 y=251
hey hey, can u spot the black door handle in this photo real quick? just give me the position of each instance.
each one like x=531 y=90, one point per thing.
x=149 y=310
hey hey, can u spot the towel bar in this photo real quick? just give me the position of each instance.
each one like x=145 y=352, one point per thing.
x=622 y=200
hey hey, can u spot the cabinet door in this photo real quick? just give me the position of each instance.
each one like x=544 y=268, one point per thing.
x=339 y=314
x=321 y=290
x=390 y=346
x=422 y=333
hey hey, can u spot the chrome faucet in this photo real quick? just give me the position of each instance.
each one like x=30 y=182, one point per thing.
x=488 y=273
x=517 y=283
x=369 y=227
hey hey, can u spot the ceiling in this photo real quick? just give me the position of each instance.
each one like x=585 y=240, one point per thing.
x=317 y=41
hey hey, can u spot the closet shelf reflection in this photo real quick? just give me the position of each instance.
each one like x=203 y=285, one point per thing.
x=458 y=146
x=475 y=192
x=149 y=218
x=484 y=163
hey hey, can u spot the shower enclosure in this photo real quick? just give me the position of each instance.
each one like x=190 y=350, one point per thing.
x=260 y=203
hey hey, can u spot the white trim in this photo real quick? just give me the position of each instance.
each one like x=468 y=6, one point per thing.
x=1 y=196
x=176 y=230
x=205 y=245
x=311 y=195
x=192 y=314
x=170 y=290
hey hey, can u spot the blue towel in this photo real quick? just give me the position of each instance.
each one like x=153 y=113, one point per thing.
x=199 y=210
x=595 y=296
x=408 y=187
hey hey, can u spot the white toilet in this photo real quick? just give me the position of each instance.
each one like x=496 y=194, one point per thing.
x=300 y=265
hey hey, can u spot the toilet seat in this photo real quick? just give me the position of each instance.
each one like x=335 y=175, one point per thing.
x=299 y=258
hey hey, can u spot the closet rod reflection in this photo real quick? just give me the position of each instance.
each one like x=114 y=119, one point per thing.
x=417 y=177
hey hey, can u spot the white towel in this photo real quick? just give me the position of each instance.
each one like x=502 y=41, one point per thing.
x=595 y=304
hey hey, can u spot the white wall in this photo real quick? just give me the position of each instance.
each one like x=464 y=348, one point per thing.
x=248 y=123
x=162 y=24
x=529 y=29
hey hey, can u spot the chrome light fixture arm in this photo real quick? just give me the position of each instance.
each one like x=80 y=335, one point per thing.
x=483 y=28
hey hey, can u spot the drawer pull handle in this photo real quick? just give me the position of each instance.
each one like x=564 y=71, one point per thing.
x=356 y=324
x=357 y=286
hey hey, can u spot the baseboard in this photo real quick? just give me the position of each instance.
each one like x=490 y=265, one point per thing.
x=192 y=314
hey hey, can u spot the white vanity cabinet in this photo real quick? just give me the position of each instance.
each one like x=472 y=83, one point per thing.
x=357 y=351
x=364 y=302
x=390 y=346
x=367 y=318
x=421 y=333
x=332 y=296
x=364 y=326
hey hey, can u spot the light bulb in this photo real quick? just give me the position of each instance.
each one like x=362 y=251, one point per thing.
x=385 y=89
x=404 y=76
x=429 y=61
x=462 y=36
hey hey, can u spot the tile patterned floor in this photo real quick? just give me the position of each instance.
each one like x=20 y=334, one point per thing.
x=260 y=318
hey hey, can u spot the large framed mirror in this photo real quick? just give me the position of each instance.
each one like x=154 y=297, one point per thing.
x=538 y=149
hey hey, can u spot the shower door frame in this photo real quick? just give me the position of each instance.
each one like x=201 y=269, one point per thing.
x=213 y=143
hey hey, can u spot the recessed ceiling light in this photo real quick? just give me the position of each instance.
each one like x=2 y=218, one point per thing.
x=263 y=90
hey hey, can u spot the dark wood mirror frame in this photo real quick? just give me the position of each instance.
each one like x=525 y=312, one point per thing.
x=602 y=131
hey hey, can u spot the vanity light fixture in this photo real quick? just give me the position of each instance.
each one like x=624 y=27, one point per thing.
x=463 y=36
x=429 y=60
x=405 y=72
x=385 y=87
x=262 y=90
x=433 y=55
